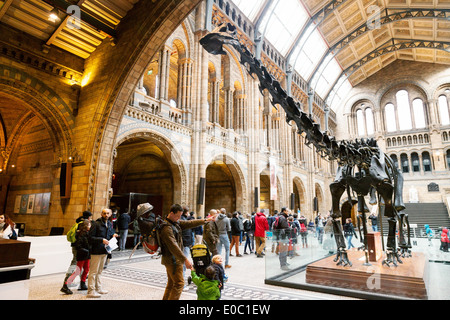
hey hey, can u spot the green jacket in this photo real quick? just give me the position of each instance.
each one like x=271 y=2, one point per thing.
x=206 y=289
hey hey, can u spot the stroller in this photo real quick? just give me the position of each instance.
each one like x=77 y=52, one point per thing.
x=201 y=258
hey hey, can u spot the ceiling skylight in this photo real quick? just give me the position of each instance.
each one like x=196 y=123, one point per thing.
x=312 y=49
x=283 y=23
x=249 y=7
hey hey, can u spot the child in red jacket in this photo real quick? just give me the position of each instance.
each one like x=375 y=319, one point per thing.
x=444 y=240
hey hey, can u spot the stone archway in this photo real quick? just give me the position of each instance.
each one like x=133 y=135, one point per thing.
x=160 y=146
x=229 y=175
x=264 y=197
x=300 y=195
x=320 y=199
x=112 y=74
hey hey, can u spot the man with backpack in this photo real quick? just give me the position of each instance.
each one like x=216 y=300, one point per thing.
x=171 y=238
x=281 y=227
x=87 y=215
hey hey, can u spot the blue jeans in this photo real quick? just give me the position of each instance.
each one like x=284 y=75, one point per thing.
x=123 y=239
x=375 y=228
x=187 y=253
x=225 y=242
x=248 y=242
x=349 y=241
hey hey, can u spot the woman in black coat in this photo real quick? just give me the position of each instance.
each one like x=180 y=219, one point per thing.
x=83 y=257
x=235 y=234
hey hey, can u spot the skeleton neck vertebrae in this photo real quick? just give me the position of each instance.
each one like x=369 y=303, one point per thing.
x=363 y=166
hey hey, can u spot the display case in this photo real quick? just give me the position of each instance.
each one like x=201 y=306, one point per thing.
x=307 y=261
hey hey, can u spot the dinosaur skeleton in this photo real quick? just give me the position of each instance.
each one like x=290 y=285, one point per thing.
x=362 y=165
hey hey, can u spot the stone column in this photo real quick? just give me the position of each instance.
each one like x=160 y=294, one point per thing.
x=164 y=71
x=229 y=99
x=185 y=89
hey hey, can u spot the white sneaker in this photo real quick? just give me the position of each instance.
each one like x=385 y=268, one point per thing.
x=102 y=291
x=93 y=295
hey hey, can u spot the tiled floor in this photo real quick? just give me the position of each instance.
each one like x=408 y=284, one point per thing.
x=143 y=278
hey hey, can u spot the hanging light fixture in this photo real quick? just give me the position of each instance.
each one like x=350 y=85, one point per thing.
x=54 y=15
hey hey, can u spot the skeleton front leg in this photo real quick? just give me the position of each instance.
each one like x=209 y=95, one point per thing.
x=337 y=189
x=392 y=257
x=404 y=246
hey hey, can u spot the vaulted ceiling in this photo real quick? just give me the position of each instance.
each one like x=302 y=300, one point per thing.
x=359 y=37
x=53 y=22
x=363 y=45
x=351 y=39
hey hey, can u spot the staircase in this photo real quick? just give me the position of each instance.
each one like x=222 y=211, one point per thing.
x=433 y=214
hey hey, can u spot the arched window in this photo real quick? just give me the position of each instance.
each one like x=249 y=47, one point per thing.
x=426 y=160
x=389 y=112
x=415 y=162
x=402 y=114
x=419 y=113
x=443 y=110
x=370 y=125
x=404 y=162
x=395 y=160
x=404 y=110
x=364 y=120
x=360 y=122
x=448 y=159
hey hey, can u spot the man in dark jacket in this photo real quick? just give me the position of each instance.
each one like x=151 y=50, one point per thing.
x=123 y=224
x=283 y=238
x=188 y=238
x=211 y=233
x=100 y=234
x=173 y=257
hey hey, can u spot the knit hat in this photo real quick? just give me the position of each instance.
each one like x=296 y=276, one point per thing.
x=143 y=209
x=86 y=214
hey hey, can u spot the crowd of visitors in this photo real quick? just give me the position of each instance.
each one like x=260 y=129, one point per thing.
x=224 y=233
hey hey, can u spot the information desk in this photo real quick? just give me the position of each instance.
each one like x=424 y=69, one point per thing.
x=15 y=263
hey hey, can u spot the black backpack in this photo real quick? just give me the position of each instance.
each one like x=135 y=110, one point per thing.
x=13 y=235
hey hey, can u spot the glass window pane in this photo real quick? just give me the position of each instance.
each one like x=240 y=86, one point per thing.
x=389 y=112
x=312 y=52
x=443 y=110
x=404 y=110
x=283 y=23
x=419 y=114
x=415 y=162
x=328 y=77
x=338 y=93
x=404 y=163
x=448 y=159
x=426 y=160
x=249 y=7
x=360 y=122
x=370 y=126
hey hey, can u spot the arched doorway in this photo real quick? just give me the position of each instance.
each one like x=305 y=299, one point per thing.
x=146 y=162
x=320 y=202
x=34 y=140
x=300 y=195
x=264 y=195
x=225 y=185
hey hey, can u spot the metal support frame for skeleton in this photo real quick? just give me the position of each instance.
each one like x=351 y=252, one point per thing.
x=363 y=166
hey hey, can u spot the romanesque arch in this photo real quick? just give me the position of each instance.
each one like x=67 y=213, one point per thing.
x=167 y=151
